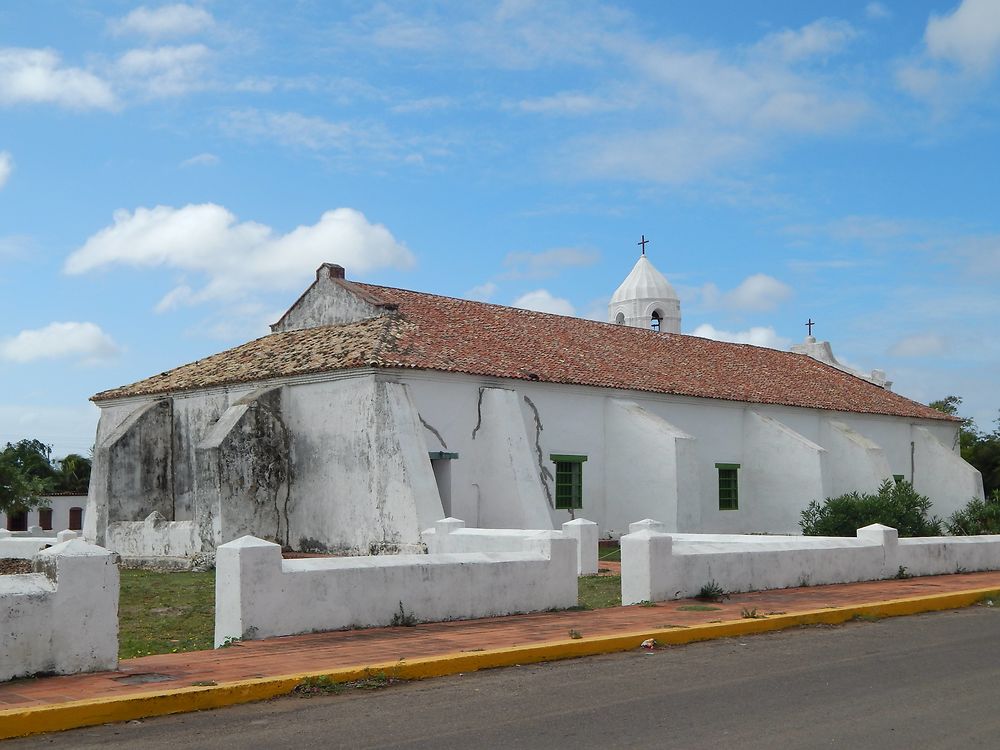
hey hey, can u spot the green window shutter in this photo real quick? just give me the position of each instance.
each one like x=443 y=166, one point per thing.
x=898 y=478
x=569 y=481
x=729 y=486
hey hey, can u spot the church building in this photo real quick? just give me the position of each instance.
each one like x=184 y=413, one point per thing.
x=369 y=412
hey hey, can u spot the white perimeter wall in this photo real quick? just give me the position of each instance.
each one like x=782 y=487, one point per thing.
x=657 y=566
x=259 y=595
x=63 y=618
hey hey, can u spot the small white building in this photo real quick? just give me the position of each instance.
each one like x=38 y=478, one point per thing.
x=371 y=412
x=63 y=510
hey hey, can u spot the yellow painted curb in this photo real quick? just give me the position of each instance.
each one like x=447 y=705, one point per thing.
x=74 y=714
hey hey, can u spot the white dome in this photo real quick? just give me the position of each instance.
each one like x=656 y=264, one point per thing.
x=644 y=283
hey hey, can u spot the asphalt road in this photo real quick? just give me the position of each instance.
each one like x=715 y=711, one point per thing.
x=929 y=681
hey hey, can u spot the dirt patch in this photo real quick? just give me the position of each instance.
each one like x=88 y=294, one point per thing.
x=11 y=566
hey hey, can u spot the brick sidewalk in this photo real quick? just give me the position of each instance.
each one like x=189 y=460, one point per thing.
x=357 y=648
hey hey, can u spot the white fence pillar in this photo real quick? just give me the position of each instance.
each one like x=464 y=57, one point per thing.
x=585 y=532
x=63 y=618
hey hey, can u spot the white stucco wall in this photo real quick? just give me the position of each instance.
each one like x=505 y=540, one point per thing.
x=451 y=535
x=154 y=537
x=852 y=463
x=258 y=595
x=361 y=479
x=658 y=566
x=941 y=473
x=63 y=618
x=651 y=467
x=778 y=461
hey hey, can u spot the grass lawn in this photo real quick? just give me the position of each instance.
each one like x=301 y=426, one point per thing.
x=163 y=613
x=600 y=592
x=611 y=554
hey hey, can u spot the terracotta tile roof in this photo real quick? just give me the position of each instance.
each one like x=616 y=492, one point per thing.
x=429 y=332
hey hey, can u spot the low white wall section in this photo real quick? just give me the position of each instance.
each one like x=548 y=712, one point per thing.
x=154 y=537
x=23 y=545
x=658 y=566
x=259 y=595
x=449 y=535
x=62 y=618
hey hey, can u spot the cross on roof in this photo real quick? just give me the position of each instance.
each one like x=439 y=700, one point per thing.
x=643 y=242
x=809 y=326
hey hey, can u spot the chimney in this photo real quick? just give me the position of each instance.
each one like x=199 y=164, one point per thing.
x=332 y=269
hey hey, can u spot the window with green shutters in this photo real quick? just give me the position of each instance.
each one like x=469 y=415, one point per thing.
x=569 y=481
x=729 y=486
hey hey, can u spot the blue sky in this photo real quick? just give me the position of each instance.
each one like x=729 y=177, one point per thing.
x=172 y=174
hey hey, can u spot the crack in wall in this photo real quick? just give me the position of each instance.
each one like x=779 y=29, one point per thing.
x=435 y=432
x=479 y=414
x=543 y=472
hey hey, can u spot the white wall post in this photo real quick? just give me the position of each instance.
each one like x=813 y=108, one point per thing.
x=887 y=538
x=246 y=570
x=646 y=524
x=647 y=566
x=585 y=532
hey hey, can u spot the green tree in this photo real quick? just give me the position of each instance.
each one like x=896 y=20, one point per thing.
x=74 y=474
x=26 y=473
x=895 y=504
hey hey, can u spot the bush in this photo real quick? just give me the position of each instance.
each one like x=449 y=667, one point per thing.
x=895 y=504
x=978 y=517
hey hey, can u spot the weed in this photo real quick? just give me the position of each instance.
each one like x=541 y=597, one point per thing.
x=751 y=614
x=805 y=582
x=865 y=618
x=647 y=603
x=324 y=685
x=959 y=570
x=902 y=574
x=321 y=685
x=712 y=592
x=575 y=634
x=403 y=619
x=231 y=640
x=697 y=608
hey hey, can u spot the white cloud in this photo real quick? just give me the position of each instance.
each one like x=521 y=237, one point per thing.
x=36 y=76
x=482 y=292
x=234 y=256
x=969 y=36
x=757 y=335
x=569 y=103
x=165 y=21
x=164 y=71
x=547 y=263
x=541 y=300
x=877 y=11
x=919 y=345
x=83 y=341
x=818 y=39
x=961 y=51
x=6 y=167
x=201 y=160
x=757 y=293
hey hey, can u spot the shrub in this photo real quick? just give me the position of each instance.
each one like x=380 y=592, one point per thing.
x=977 y=517
x=895 y=504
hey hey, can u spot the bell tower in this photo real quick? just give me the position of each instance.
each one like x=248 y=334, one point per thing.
x=646 y=299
